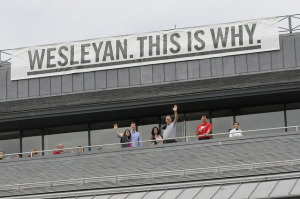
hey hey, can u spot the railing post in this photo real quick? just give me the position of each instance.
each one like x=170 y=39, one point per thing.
x=296 y=128
x=290 y=24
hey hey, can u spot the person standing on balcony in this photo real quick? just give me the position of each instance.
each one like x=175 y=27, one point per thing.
x=1 y=155
x=135 y=136
x=204 y=129
x=235 y=132
x=156 y=136
x=170 y=131
x=59 y=150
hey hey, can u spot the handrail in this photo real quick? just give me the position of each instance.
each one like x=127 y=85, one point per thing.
x=147 y=141
x=151 y=175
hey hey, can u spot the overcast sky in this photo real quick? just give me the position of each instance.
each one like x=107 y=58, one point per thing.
x=38 y=22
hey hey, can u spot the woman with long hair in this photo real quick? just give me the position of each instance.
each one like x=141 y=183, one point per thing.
x=125 y=139
x=156 y=136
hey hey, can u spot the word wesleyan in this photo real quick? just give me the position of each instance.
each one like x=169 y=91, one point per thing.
x=137 y=48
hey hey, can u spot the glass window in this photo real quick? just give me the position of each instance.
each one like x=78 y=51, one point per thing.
x=103 y=133
x=192 y=122
x=293 y=118
x=32 y=139
x=145 y=126
x=10 y=142
x=261 y=121
x=222 y=121
x=180 y=128
x=222 y=125
x=69 y=136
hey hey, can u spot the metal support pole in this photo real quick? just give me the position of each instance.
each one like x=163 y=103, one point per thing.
x=290 y=24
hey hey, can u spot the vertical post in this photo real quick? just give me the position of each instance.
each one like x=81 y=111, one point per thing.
x=285 y=118
x=89 y=136
x=21 y=145
x=290 y=24
x=43 y=141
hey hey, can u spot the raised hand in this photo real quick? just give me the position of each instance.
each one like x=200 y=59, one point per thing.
x=121 y=133
x=175 y=108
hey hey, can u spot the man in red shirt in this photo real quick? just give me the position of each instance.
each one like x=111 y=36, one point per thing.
x=204 y=129
x=59 y=150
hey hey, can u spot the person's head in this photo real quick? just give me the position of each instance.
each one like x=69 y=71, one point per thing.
x=168 y=119
x=80 y=149
x=60 y=146
x=34 y=152
x=19 y=156
x=204 y=119
x=155 y=131
x=236 y=125
x=1 y=155
x=127 y=134
x=133 y=126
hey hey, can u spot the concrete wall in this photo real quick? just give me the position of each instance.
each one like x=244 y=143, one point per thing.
x=288 y=57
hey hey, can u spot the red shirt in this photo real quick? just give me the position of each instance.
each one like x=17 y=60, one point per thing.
x=57 y=152
x=205 y=127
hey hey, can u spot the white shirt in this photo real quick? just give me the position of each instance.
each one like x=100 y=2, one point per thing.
x=170 y=131
x=235 y=133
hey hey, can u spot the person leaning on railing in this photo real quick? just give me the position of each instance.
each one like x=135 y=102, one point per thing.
x=235 y=132
x=135 y=136
x=1 y=155
x=170 y=131
x=156 y=136
x=204 y=129
x=59 y=150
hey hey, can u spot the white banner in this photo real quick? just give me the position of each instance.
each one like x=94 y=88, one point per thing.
x=146 y=48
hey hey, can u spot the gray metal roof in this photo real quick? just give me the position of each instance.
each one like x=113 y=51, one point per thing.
x=221 y=153
x=261 y=189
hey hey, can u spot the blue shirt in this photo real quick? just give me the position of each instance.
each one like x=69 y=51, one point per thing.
x=135 y=136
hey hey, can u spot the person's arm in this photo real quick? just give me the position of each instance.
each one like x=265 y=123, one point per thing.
x=119 y=135
x=230 y=133
x=175 y=113
x=139 y=139
x=208 y=131
x=197 y=132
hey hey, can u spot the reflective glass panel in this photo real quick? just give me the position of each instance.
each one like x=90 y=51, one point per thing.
x=293 y=118
x=32 y=139
x=261 y=121
x=10 y=142
x=74 y=136
x=222 y=125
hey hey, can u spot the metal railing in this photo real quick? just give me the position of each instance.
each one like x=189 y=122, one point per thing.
x=102 y=146
x=287 y=24
x=152 y=175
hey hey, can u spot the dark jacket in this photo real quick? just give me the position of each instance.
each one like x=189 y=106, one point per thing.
x=124 y=140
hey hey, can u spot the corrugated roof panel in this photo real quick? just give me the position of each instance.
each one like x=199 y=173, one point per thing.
x=172 y=193
x=244 y=190
x=102 y=197
x=136 y=195
x=263 y=189
x=119 y=196
x=189 y=193
x=296 y=189
x=207 y=192
x=86 y=197
x=283 y=188
x=226 y=191
x=154 y=194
